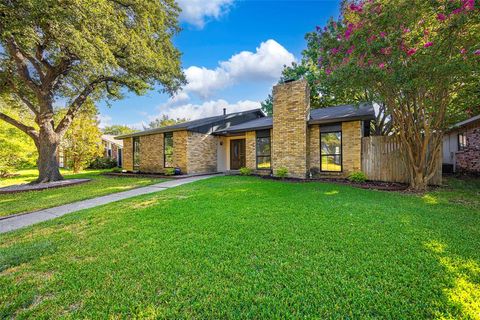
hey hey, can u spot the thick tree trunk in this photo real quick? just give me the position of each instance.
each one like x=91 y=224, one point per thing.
x=47 y=163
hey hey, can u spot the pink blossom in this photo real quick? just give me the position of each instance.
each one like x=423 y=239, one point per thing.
x=356 y=8
x=349 y=30
x=428 y=44
x=350 y=50
x=328 y=71
x=468 y=4
x=406 y=30
x=463 y=51
x=383 y=34
x=346 y=60
x=371 y=38
x=382 y=65
x=441 y=17
x=334 y=51
x=457 y=11
x=411 y=52
x=386 y=51
x=477 y=52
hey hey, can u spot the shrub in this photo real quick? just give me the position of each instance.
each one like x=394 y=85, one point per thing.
x=169 y=171
x=358 y=176
x=244 y=171
x=103 y=163
x=282 y=172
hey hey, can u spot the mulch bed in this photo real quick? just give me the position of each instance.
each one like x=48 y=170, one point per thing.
x=373 y=185
x=25 y=187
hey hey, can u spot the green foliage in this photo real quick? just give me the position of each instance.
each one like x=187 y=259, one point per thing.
x=244 y=171
x=164 y=121
x=99 y=186
x=281 y=172
x=357 y=176
x=103 y=163
x=17 y=150
x=169 y=171
x=267 y=105
x=82 y=142
x=230 y=240
x=118 y=130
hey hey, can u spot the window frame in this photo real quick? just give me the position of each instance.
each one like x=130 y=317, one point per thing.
x=135 y=165
x=260 y=134
x=165 y=134
x=461 y=147
x=331 y=154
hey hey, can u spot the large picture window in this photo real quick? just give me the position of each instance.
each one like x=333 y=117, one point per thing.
x=263 y=149
x=331 y=151
x=136 y=153
x=168 y=150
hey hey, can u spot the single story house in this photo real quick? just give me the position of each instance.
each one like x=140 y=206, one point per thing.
x=461 y=147
x=306 y=142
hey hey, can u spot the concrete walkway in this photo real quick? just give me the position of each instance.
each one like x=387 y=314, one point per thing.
x=23 y=220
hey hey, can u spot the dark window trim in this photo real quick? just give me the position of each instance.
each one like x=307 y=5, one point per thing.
x=459 y=146
x=134 y=139
x=164 y=148
x=263 y=136
x=332 y=154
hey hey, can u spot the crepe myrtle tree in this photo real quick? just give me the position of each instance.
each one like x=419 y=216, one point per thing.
x=416 y=56
x=56 y=52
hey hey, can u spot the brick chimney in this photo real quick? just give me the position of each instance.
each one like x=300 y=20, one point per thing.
x=291 y=111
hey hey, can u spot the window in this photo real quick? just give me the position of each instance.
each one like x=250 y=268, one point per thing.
x=263 y=152
x=136 y=153
x=462 y=141
x=331 y=151
x=168 y=150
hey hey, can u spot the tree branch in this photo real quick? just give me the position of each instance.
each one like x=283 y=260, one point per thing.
x=78 y=102
x=27 y=129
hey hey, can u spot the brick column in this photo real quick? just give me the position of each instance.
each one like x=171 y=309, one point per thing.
x=250 y=149
x=127 y=163
x=291 y=111
x=352 y=146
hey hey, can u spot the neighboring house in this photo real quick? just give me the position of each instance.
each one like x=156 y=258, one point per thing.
x=306 y=142
x=113 y=148
x=461 y=146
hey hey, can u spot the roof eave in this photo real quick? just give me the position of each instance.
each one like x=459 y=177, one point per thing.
x=227 y=132
x=341 y=119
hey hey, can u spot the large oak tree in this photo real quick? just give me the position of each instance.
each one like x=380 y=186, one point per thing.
x=65 y=52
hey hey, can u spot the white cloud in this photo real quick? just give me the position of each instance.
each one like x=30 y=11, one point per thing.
x=104 y=120
x=207 y=109
x=197 y=12
x=266 y=63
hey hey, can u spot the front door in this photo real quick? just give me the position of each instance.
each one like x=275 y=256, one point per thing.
x=237 y=154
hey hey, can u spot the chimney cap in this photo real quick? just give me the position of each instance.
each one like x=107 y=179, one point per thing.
x=289 y=80
x=224 y=111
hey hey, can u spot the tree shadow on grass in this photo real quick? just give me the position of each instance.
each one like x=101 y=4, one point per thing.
x=463 y=294
x=18 y=254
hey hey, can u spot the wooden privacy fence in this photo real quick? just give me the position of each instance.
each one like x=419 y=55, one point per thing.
x=382 y=160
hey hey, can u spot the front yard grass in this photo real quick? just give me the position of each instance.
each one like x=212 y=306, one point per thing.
x=35 y=200
x=243 y=247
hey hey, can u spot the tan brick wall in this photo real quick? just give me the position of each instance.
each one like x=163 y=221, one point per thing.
x=180 y=150
x=352 y=146
x=314 y=148
x=291 y=111
x=151 y=153
x=127 y=154
x=250 y=150
x=201 y=153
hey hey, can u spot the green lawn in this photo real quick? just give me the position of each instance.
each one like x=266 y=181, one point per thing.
x=243 y=247
x=35 y=200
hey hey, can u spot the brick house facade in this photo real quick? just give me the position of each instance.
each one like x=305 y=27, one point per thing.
x=306 y=142
x=461 y=146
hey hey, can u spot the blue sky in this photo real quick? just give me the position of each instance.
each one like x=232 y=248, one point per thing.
x=233 y=52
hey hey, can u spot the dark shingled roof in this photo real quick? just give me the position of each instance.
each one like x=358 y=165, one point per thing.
x=349 y=112
x=363 y=111
x=204 y=125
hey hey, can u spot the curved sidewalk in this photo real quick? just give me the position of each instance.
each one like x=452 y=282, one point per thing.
x=23 y=220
